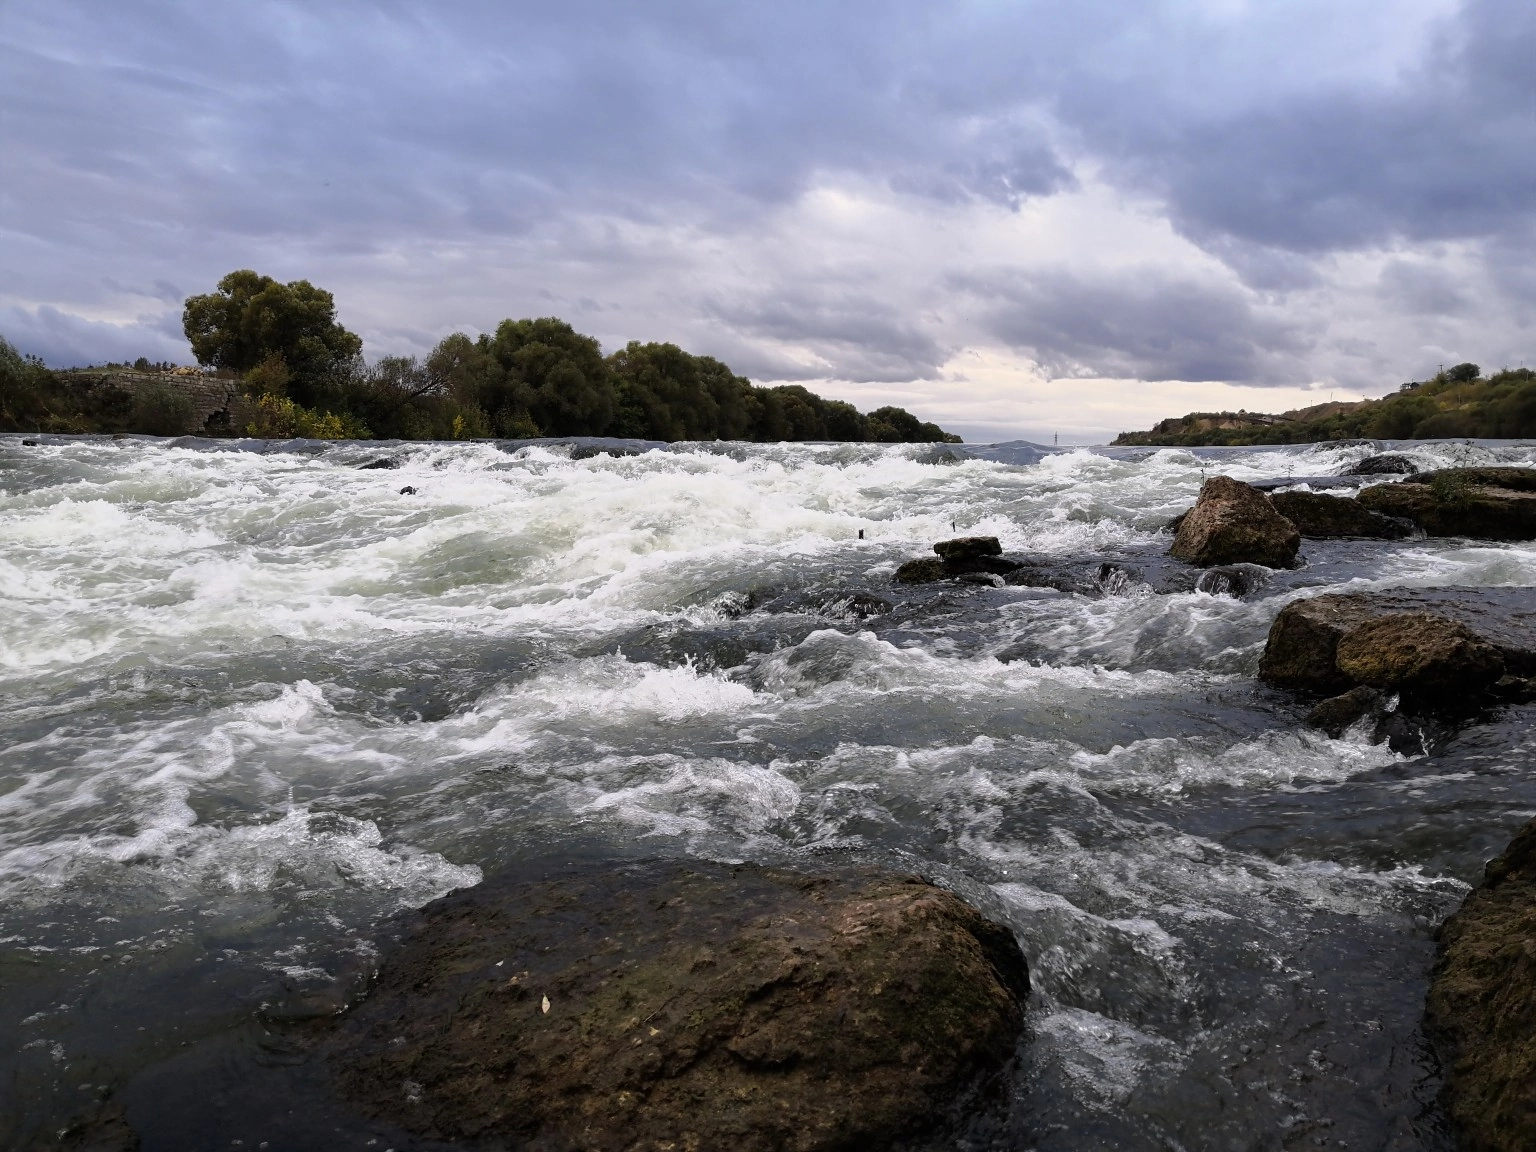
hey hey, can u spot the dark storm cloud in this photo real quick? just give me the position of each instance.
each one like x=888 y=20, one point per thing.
x=1138 y=325
x=152 y=145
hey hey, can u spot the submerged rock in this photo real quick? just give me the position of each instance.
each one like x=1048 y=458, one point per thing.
x=1320 y=517
x=1337 y=713
x=1482 y=503
x=1387 y=464
x=1444 y=647
x=686 y=1005
x=1232 y=523
x=1236 y=580
x=1481 y=1008
x=380 y=463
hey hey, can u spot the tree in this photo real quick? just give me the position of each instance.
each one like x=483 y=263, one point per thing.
x=554 y=375
x=891 y=425
x=253 y=319
x=664 y=393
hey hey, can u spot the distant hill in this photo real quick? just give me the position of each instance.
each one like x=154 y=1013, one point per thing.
x=1458 y=402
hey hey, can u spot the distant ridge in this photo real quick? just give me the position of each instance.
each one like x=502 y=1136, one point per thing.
x=1457 y=402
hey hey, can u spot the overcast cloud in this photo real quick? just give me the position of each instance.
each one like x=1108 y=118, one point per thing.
x=953 y=206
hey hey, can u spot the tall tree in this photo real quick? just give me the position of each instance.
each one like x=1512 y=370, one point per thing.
x=253 y=319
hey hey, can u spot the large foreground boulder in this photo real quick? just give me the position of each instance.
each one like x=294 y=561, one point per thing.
x=1483 y=503
x=686 y=1005
x=1481 y=1008
x=1232 y=523
x=1439 y=647
x=1320 y=517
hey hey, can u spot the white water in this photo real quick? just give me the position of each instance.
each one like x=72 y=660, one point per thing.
x=272 y=693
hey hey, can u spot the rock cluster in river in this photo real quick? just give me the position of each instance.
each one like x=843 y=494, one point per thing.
x=1484 y=503
x=686 y=1005
x=1481 y=1008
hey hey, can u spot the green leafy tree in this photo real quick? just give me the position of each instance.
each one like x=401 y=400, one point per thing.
x=664 y=393
x=891 y=425
x=252 y=319
x=553 y=375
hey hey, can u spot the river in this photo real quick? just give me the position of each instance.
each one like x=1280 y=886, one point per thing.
x=255 y=702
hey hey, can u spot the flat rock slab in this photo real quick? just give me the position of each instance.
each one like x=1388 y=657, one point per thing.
x=1481 y=1008
x=686 y=1005
x=1302 y=649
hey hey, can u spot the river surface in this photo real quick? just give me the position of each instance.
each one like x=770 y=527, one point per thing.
x=256 y=702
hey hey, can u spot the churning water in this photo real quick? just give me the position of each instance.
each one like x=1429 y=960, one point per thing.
x=256 y=702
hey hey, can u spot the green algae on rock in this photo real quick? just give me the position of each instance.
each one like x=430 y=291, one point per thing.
x=686 y=1005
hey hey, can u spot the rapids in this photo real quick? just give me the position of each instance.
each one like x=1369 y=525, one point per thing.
x=257 y=700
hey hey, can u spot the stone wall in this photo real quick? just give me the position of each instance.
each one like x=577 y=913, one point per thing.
x=218 y=408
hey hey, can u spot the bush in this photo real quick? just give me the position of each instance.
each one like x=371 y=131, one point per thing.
x=161 y=410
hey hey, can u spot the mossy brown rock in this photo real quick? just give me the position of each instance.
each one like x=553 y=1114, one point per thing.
x=1418 y=653
x=1481 y=1008
x=1302 y=651
x=1482 y=503
x=685 y=1005
x=1319 y=516
x=1233 y=523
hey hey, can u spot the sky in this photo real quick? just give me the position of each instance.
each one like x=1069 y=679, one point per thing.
x=1018 y=218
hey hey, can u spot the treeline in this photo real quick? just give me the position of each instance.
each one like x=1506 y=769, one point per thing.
x=1458 y=402
x=302 y=373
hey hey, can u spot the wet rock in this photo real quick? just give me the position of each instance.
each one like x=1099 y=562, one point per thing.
x=381 y=462
x=1481 y=1009
x=965 y=556
x=1337 y=713
x=1299 y=652
x=407 y=491
x=923 y=570
x=1418 y=653
x=685 y=1005
x=1515 y=689
x=1317 y=517
x=856 y=606
x=968 y=548
x=1236 y=580
x=1475 y=631
x=1387 y=464
x=29 y=443
x=1232 y=523
x=618 y=451
x=1482 y=503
